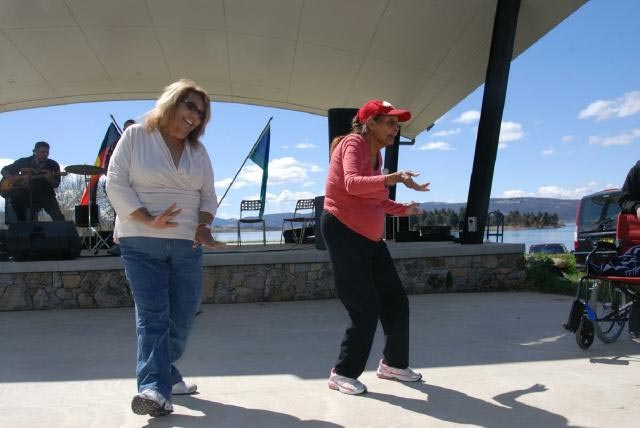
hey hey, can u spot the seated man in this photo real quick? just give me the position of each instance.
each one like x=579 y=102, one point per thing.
x=32 y=182
x=630 y=203
x=630 y=198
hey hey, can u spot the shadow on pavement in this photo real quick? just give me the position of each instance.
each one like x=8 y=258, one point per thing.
x=452 y=406
x=225 y=415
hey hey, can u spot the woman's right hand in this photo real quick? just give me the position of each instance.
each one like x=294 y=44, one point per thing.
x=165 y=219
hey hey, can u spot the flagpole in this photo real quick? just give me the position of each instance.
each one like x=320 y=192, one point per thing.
x=113 y=119
x=245 y=160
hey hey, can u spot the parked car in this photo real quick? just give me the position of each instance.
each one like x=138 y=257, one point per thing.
x=596 y=221
x=554 y=248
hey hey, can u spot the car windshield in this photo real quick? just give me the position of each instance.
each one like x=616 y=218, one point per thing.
x=598 y=213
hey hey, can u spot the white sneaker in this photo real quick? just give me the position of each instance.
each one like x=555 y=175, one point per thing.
x=346 y=385
x=406 y=375
x=182 y=388
x=151 y=402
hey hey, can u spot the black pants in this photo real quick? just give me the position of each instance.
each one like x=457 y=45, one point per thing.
x=21 y=204
x=370 y=289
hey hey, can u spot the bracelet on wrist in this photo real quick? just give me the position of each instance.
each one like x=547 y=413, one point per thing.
x=207 y=225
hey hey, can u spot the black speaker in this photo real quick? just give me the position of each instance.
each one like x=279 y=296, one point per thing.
x=82 y=215
x=318 y=203
x=43 y=240
x=339 y=120
x=3 y=241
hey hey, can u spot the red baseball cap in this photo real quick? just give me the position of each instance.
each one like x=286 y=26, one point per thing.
x=376 y=107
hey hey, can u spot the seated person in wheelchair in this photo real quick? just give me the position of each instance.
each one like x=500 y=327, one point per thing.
x=630 y=203
x=630 y=198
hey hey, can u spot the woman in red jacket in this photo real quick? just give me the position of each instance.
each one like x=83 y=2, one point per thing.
x=356 y=200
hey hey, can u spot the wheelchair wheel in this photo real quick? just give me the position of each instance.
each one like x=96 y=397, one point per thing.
x=584 y=333
x=606 y=301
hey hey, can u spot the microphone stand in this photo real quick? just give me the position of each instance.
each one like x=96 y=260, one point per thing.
x=29 y=182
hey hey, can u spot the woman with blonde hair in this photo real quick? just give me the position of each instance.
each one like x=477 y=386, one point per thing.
x=160 y=182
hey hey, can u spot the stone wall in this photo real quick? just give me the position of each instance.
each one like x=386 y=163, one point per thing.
x=259 y=282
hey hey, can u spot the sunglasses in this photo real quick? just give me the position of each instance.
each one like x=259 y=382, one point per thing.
x=194 y=108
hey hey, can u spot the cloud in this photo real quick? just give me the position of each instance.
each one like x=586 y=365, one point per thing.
x=221 y=185
x=516 y=193
x=562 y=193
x=568 y=138
x=5 y=161
x=552 y=191
x=287 y=196
x=626 y=105
x=447 y=132
x=436 y=145
x=510 y=131
x=616 y=140
x=281 y=171
x=548 y=152
x=305 y=144
x=282 y=202
x=468 y=117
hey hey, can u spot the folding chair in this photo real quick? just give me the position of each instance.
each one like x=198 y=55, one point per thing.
x=304 y=213
x=246 y=206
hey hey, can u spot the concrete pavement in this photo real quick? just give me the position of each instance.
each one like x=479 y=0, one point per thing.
x=489 y=360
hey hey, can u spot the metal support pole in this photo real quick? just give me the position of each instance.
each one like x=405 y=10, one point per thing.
x=502 y=40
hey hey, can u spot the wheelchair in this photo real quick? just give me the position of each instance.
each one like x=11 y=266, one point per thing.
x=604 y=304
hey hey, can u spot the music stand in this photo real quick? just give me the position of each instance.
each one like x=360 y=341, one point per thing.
x=87 y=171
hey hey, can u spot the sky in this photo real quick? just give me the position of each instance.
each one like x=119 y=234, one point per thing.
x=570 y=127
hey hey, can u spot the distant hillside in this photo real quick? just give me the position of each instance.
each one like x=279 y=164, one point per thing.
x=272 y=221
x=565 y=208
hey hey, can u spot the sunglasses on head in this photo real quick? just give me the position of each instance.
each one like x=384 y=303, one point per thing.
x=194 y=108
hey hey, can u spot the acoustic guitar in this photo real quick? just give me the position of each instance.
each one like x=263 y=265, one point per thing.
x=7 y=188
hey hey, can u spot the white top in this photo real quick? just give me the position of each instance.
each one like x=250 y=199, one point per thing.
x=142 y=174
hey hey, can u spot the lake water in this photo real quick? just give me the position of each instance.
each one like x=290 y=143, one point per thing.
x=523 y=236
x=541 y=236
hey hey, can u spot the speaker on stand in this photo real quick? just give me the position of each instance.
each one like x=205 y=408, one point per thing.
x=339 y=120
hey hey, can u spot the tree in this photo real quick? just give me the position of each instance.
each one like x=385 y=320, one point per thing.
x=70 y=191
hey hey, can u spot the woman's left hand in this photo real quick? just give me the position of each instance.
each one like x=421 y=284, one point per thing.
x=203 y=237
x=412 y=208
x=406 y=178
x=424 y=187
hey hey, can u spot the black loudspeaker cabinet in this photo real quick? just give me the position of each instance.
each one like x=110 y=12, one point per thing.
x=339 y=120
x=82 y=215
x=43 y=240
x=318 y=203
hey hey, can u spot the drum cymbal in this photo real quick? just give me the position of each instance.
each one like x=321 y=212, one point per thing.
x=85 y=169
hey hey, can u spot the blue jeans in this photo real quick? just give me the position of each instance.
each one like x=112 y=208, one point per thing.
x=165 y=276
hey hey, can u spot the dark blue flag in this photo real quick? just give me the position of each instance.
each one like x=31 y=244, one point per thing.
x=260 y=155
